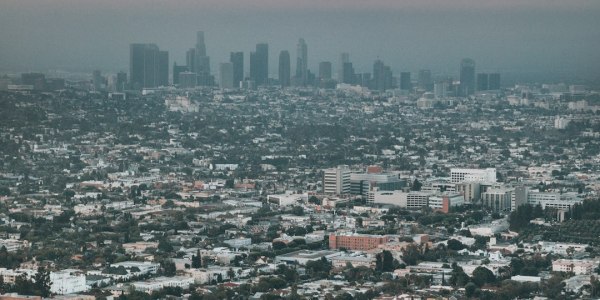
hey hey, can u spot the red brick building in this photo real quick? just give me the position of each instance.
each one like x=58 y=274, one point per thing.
x=361 y=242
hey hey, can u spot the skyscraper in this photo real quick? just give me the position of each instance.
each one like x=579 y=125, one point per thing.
x=378 y=76
x=226 y=75
x=348 y=73
x=482 y=81
x=425 y=81
x=178 y=70
x=259 y=64
x=237 y=59
x=325 y=70
x=163 y=68
x=344 y=58
x=467 y=77
x=148 y=66
x=494 y=81
x=190 y=59
x=284 y=68
x=121 y=81
x=201 y=60
x=301 y=63
x=405 y=83
x=97 y=80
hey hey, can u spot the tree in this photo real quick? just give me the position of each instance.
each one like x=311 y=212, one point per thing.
x=384 y=261
x=459 y=278
x=169 y=268
x=416 y=186
x=197 y=260
x=298 y=211
x=470 y=289
x=553 y=286
x=165 y=246
x=411 y=254
x=482 y=276
x=455 y=245
x=314 y=200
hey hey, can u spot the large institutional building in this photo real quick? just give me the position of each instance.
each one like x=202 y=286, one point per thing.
x=361 y=242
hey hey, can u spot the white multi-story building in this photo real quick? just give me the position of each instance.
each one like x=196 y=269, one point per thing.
x=13 y=245
x=577 y=266
x=69 y=281
x=470 y=190
x=336 y=181
x=497 y=199
x=411 y=199
x=554 y=200
x=445 y=201
x=159 y=283
x=289 y=198
x=473 y=175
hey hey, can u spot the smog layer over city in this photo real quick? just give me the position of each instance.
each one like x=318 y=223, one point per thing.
x=278 y=149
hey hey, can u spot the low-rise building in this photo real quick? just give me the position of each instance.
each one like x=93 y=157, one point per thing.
x=301 y=257
x=577 y=266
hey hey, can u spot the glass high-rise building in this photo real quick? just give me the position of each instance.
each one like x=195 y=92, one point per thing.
x=284 y=68
x=425 y=80
x=482 y=81
x=344 y=58
x=494 y=81
x=237 y=59
x=325 y=70
x=148 y=66
x=226 y=75
x=259 y=64
x=405 y=83
x=467 y=77
x=301 y=63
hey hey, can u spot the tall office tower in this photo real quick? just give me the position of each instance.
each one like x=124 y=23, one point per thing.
x=494 y=81
x=388 y=78
x=226 y=75
x=348 y=73
x=440 y=89
x=405 y=83
x=344 y=58
x=378 y=76
x=97 y=80
x=121 y=81
x=145 y=62
x=178 y=70
x=425 y=80
x=301 y=63
x=190 y=59
x=467 y=77
x=325 y=70
x=201 y=60
x=482 y=82
x=284 y=68
x=259 y=64
x=163 y=68
x=336 y=181
x=237 y=59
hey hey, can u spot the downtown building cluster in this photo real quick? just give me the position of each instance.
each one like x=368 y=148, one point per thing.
x=148 y=69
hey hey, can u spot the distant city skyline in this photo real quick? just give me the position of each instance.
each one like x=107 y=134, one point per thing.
x=531 y=36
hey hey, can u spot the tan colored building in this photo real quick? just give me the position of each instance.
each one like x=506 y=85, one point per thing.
x=355 y=241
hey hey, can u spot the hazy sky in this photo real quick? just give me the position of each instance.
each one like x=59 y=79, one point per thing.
x=501 y=35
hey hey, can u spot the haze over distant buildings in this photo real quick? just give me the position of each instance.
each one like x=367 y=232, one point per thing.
x=534 y=36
